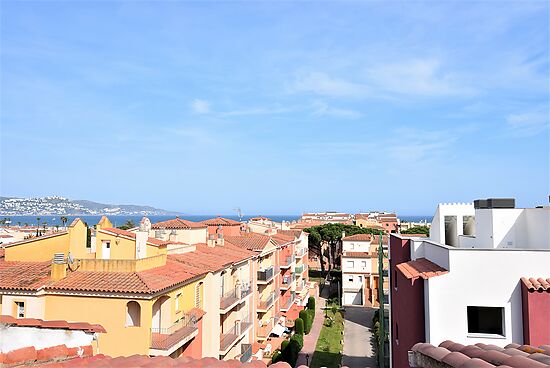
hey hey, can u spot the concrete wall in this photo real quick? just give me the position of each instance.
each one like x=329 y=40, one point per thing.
x=15 y=337
x=34 y=305
x=536 y=316
x=356 y=246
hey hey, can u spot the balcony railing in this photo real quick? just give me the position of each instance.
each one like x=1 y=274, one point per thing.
x=287 y=261
x=266 y=275
x=299 y=269
x=264 y=305
x=164 y=338
x=288 y=280
x=287 y=303
x=300 y=252
x=246 y=289
x=228 y=338
x=246 y=353
x=228 y=298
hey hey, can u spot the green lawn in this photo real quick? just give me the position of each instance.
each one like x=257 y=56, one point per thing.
x=327 y=351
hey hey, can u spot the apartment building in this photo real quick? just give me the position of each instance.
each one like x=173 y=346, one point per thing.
x=388 y=222
x=220 y=225
x=328 y=217
x=482 y=277
x=360 y=274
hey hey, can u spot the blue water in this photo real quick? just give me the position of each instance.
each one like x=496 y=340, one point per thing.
x=120 y=220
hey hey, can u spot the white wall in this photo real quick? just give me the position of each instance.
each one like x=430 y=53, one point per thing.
x=34 y=306
x=355 y=246
x=360 y=265
x=15 y=337
x=480 y=277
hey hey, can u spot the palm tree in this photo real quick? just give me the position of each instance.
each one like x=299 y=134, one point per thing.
x=37 y=226
x=64 y=220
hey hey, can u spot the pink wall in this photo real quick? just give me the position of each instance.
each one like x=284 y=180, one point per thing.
x=407 y=305
x=536 y=316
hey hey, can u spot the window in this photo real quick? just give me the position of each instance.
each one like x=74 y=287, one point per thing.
x=351 y=246
x=20 y=309
x=395 y=279
x=133 y=314
x=363 y=263
x=486 y=320
x=360 y=278
x=350 y=264
x=178 y=296
x=350 y=278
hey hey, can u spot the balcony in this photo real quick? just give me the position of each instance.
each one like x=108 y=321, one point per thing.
x=166 y=340
x=266 y=276
x=286 y=304
x=228 y=300
x=299 y=269
x=229 y=338
x=246 y=289
x=246 y=353
x=287 y=261
x=265 y=305
x=301 y=252
x=288 y=280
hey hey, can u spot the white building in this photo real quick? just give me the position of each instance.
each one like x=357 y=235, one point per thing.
x=465 y=284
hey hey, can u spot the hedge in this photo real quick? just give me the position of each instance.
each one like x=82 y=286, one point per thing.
x=299 y=326
x=311 y=303
x=292 y=349
x=306 y=317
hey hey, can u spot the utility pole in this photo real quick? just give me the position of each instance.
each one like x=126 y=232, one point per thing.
x=382 y=330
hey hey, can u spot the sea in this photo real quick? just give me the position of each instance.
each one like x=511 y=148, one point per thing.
x=122 y=219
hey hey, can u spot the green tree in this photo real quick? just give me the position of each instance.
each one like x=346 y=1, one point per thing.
x=417 y=230
x=311 y=303
x=128 y=225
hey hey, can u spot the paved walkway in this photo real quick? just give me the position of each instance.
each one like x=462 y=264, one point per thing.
x=310 y=340
x=359 y=342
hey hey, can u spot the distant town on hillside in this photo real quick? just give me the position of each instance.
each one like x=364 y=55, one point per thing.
x=56 y=205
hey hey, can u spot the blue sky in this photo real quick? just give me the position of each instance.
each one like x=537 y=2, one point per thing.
x=276 y=107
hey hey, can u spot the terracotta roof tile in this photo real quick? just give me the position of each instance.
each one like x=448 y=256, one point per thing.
x=213 y=258
x=250 y=241
x=35 y=322
x=221 y=221
x=294 y=233
x=420 y=267
x=178 y=223
x=24 y=275
x=358 y=237
x=143 y=282
x=281 y=239
x=356 y=254
x=484 y=355
x=538 y=284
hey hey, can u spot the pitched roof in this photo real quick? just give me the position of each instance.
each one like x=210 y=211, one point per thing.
x=538 y=284
x=24 y=275
x=35 y=322
x=481 y=355
x=41 y=237
x=295 y=233
x=356 y=255
x=178 y=223
x=281 y=239
x=143 y=282
x=420 y=267
x=250 y=241
x=358 y=237
x=221 y=221
x=213 y=258
x=128 y=234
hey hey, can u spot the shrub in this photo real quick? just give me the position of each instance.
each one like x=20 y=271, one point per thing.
x=305 y=316
x=284 y=344
x=311 y=318
x=299 y=326
x=277 y=356
x=311 y=303
x=290 y=353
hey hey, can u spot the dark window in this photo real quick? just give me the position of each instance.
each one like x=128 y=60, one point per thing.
x=486 y=320
x=396 y=332
x=395 y=279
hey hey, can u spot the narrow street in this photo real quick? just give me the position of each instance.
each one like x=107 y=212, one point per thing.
x=358 y=338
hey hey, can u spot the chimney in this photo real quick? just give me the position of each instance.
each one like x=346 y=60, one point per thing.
x=141 y=243
x=211 y=241
x=343 y=234
x=59 y=267
x=219 y=235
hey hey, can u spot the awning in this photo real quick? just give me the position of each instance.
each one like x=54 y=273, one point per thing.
x=278 y=330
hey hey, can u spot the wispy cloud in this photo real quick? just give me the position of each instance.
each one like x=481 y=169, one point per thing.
x=529 y=123
x=324 y=85
x=322 y=109
x=200 y=106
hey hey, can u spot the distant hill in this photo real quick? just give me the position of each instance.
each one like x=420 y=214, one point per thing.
x=55 y=205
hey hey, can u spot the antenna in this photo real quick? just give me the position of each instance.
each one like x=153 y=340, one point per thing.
x=239 y=213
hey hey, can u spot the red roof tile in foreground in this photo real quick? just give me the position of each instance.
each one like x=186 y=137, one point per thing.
x=178 y=223
x=483 y=355
x=295 y=233
x=213 y=258
x=420 y=267
x=358 y=237
x=538 y=284
x=35 y=322
x=160 y=361
x=24 y=275
x=221 y=221
x=250 y=241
